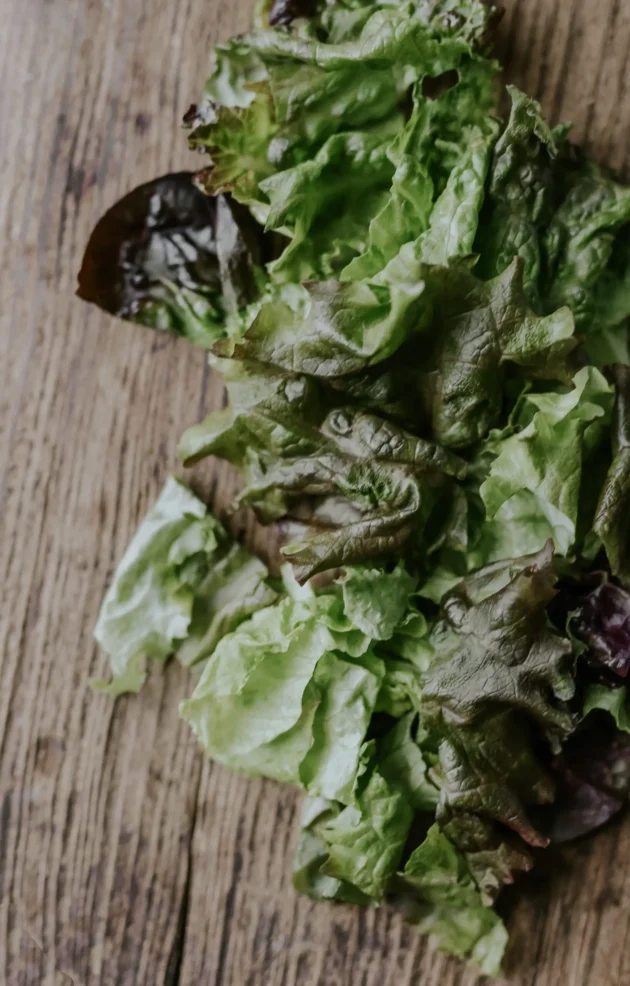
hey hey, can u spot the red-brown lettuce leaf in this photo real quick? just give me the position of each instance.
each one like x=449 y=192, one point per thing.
x=169 y=257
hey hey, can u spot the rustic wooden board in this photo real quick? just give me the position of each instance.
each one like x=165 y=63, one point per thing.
x=125 y=858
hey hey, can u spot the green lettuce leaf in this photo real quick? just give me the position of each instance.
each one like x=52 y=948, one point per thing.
x=309 y=77
x=236 y=141
x=351 y=853
x=312 y=853
x=234 y=589
x=451 y=909
x=581 y=239
x=166 y=586
x=401 y=689
x=467 y=332
x=470 y=20
x=410 y=641
x=484 y=328
x=455 y=217
x=612 y=700
x=271 y=415
x=346 y=327
x=612 y=521
x=326 y=203
x=441 y=158
x=235 y=69
x=404 y=765
x=533 y=491
x=521 y=194
x=494 y=649
x=610 y=343
x=289 y=695
x=375 y=600
x=367 y=838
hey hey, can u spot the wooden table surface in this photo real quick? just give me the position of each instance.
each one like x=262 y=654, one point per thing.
x=125 y=857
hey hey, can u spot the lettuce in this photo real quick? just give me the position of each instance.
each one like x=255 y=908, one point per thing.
x=312 y=855
x=365 y=842
x=405 y=766
x=521 y=194
x=413 y=305
x=169 y=258
x=602 y=624
x=166 y=598
x=375 y=600
x=362 y=482
x=612 y=521
x=580 y=241
x=450 y=908
x=534 y=485
x=612 y=700
x=290 y=695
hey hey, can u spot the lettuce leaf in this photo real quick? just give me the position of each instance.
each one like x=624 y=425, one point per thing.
x=365 y=841
x=533 y=491
x=325 y=204
x=363 y=484
x=521 y=194
x=166 y=587
x=401 y=689
x=611 y=342
x=491 y=771
x=234 y=589
x=441 y=158
x=603 y=698
x=168 y=257
x=580 y=241
x=602 y=623
x=612 y=522
x=499 y=678
x=493 y=648
x=312 y=854
x=451 y=909
x=375 y=600
x=493 y=857
x=289 y=695
x=236 y=140
x=404 y=765
x=470 y=20
x=484 y=329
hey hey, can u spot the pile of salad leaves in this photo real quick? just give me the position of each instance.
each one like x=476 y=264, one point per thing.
x=420 y=311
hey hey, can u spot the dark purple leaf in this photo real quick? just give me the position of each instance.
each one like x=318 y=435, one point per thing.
x=603 y=624
x=593 y=781
x=581 y=809
x=601 y=756
x=284 y=12
x=170 y=257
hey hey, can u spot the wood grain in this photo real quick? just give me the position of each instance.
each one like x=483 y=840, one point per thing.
x=125 y=858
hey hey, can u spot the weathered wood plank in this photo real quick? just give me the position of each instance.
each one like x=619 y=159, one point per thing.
x=125 y=859
x=97 y=800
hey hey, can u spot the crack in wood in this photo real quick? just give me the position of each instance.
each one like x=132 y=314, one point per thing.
x=176 y=957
